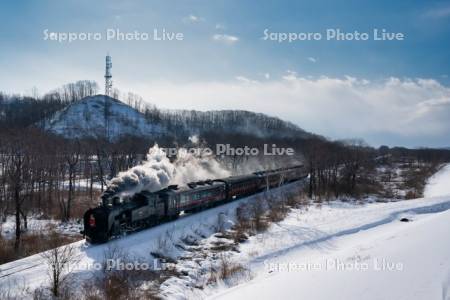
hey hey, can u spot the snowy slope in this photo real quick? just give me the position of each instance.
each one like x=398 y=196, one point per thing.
x=439 y=184
x=395 y=261
x=386 y=259
x=87 y=118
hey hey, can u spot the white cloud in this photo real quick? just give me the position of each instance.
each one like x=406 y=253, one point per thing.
x=245 y=79
x=225 y=38
x=193 y=19
x=312 y=59
x=291 y=75
x=392 y=111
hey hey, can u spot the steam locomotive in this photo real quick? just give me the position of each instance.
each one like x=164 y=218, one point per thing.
x=116 y=216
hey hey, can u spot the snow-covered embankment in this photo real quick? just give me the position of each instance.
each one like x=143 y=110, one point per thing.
x=342 y=252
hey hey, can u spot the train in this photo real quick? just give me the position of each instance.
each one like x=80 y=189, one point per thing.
x=116 y=216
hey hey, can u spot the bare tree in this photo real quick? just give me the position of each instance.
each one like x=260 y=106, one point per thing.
x=72 y=159
x=17 y=175
x=59 y=260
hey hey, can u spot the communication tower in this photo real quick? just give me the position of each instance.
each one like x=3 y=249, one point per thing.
x=108 y=76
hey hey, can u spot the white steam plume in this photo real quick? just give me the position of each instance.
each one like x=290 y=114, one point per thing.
x=157 y=172
x=189 y=167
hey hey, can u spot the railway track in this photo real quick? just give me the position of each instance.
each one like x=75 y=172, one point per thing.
x=29 y=264
x=26 y=267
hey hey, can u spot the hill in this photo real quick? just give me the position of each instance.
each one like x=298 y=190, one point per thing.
x=90 y=116
x=96 y=115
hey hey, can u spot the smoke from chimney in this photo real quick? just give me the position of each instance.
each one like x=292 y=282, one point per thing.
x=157 y=172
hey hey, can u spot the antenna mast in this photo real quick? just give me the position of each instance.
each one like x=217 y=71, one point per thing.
x=108 y=76
x=108 y=92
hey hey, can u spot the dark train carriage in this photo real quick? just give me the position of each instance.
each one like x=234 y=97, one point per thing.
x=239 y=186
x=295 y=173
x=277 y=177
x=195 y=196
x=147 y=205
x=202 y=195
x=270 y=179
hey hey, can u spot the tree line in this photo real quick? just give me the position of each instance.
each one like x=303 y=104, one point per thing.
x=52 y=177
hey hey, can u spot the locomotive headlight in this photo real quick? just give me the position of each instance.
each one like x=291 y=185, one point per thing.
x=92 y=220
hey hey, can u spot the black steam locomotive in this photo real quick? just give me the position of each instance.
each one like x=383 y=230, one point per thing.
x=116 y=216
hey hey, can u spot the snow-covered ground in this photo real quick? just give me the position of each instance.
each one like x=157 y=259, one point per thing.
x=38 y=225
x=392 y=261
x=338 y=259
x=439 y=184
x=415 y=255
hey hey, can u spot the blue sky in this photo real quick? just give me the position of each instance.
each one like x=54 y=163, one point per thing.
x=223 y=52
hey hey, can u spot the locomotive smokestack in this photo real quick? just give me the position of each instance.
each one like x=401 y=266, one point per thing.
x=108 y=194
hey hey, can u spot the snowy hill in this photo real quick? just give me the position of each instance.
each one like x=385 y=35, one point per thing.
x=87 y=118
